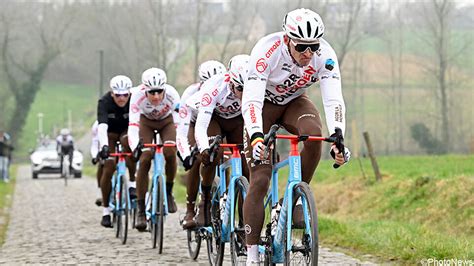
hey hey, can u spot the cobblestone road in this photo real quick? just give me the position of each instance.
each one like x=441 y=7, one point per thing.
x=50 y=223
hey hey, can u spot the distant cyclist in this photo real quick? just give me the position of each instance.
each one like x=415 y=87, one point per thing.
x=219 y=113
x=283 y=66
x=185 y=138
x=94 y=151
x=112 y=117
x=65 y=146
x=152 y=107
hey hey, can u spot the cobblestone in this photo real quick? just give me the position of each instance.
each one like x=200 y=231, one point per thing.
x=51 y=223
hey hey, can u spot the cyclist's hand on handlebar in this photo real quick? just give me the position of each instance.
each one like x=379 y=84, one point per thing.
x=105 y=152
x=188 y=163
x=206 y=157
x=338 y=157
x=258 y=147
x=94 y=161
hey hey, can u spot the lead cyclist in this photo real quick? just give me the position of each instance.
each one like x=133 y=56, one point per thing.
x=283 y=65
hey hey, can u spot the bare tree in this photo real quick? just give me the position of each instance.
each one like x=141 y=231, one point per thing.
x=438 y=18
x=346 y=28
x=23 y=68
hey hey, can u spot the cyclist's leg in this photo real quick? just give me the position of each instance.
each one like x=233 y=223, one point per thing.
x=106 y=180
x=71 y=156
x=167 y=132
x=146 y=133
x=259 y=182
x=302 y=118
x=192 y=185
x=208 y=172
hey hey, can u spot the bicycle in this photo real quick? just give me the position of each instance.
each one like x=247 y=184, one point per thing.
x=284 y=242
x=157 y=200
x=226 y=223
x=120 y=201
x=65 y=167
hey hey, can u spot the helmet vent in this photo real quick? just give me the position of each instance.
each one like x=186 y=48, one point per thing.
x=308 y=28
x=301 y=32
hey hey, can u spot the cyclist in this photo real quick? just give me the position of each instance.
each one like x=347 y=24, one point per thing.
x=112 y=118
x=94 y=150
x=152 y=108
x=65 y=146
x=218 y=114
x=283 y=66
x=185 y=138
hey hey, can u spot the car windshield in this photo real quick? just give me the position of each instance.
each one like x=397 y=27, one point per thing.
x=48 y=147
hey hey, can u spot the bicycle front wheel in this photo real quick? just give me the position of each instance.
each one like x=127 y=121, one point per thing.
x=123 y=210
x=237 y=237
x=194 y=243
x=215 y=247
x=158 y=221
x=304 y=236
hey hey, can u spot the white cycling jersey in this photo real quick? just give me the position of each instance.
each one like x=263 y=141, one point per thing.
x=275 y=77
x=67 y=141
x=187 y=116
x=139 y=104
x=216 y=97
x=95 y=139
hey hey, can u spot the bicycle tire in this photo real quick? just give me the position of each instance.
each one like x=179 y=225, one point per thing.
x=238 y=248
x=123 y=210
x=161 y=214
x=194 y=243
x=308 y=247
x=215 y=248
x=117 y=206
x=153 y=217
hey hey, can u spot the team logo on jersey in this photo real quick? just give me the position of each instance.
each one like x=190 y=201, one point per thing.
x=206 y=100
x=273 y=48
x=329 y=64
x=183 y=112
x=261 y=65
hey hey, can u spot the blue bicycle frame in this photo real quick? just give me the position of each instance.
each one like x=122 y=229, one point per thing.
x=158 y=173
x=235 y=163
x=286 y=212
x=121 y=169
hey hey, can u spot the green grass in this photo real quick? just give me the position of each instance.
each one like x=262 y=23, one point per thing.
x=54 y=101
x=6 y=196
x=422 y=208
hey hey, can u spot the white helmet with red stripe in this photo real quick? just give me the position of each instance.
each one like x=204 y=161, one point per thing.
x=239 y=69
x=209 y=69
x=304 y=25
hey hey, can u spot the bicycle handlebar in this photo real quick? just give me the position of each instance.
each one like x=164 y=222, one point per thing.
x=119 y=154
x=337 y=139
x=152 y=145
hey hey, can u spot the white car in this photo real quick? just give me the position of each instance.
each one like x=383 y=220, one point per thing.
x=45 y=160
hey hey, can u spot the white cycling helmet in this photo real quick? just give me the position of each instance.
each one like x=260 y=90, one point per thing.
x=120 y=84
x=209 y=69
x=239 y=69
x=304 y=25
x=64 y=132
x=154 y=78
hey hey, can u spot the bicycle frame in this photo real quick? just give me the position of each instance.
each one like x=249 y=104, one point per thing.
x=286 y=211
x=158 y=172
x=235 y=163
x=121 y=170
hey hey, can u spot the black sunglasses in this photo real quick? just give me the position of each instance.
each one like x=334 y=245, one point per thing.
x=301 y=48
x=156 y=91
x=124 y=95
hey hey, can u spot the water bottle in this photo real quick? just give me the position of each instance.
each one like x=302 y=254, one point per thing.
x=222 y=202
x=275 y=215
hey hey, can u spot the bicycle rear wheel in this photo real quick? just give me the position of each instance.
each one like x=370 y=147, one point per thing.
x=194 y=243
x=238 y=248
x=304 y=241
x=123 y=210
x=215 y=247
